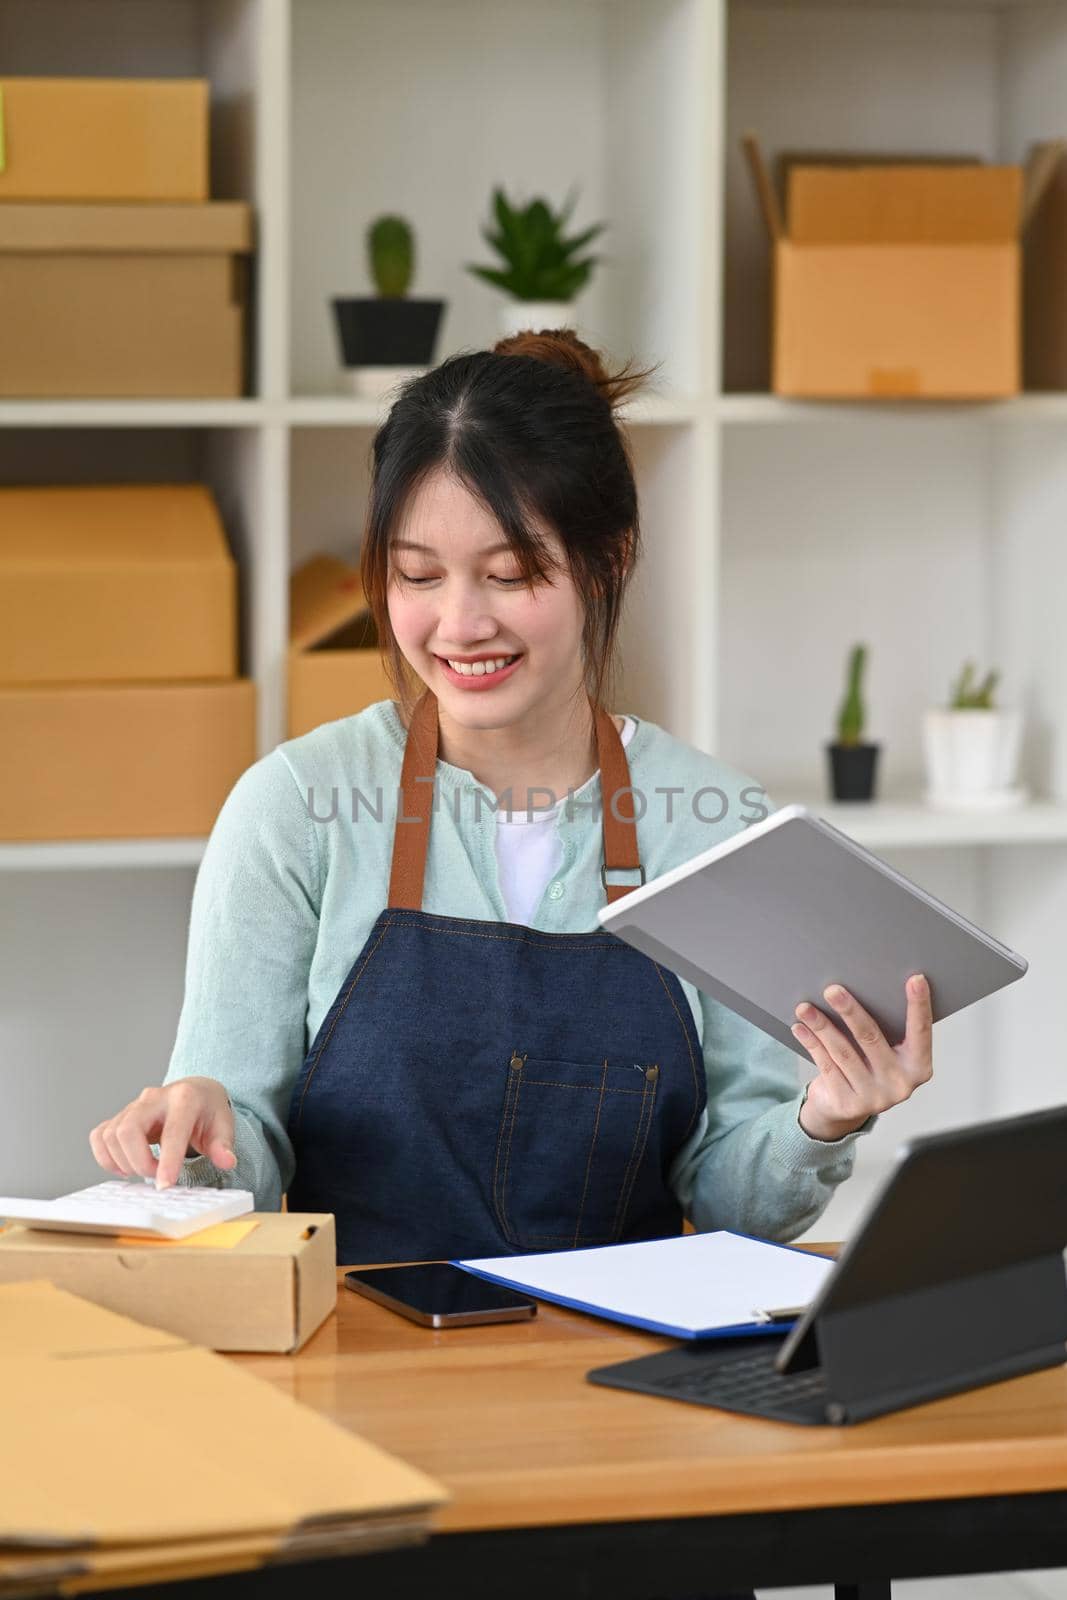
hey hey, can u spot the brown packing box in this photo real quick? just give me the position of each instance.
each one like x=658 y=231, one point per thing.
x=1044 y=300
x=93 y=1488
x=898 y=280
x=120 y=716
x=103 y=138
x=122 y=761
x=136 y=301
x=115 y=583
x=334 y=666
x=268 y=1292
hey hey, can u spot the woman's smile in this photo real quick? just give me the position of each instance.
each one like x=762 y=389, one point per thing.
x=478 y=672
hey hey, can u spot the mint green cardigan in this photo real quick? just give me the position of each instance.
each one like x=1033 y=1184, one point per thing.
x=297 y=868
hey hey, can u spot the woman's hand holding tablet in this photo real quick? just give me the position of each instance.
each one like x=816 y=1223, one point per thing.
x=854 y=1084
x=803 y=932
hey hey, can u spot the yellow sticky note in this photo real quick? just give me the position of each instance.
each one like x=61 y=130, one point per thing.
x=223 y=1236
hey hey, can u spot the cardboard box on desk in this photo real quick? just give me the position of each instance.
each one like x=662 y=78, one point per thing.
x=262 y=1283
x=134 y=301
x=130 y=1456
x=335 y=668
x=895 y=280
x=104 y=138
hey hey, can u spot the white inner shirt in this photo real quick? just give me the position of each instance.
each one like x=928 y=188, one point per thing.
x=529 y=850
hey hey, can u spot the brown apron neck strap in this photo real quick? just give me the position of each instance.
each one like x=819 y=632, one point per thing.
x=617 y=808
x=411 y=837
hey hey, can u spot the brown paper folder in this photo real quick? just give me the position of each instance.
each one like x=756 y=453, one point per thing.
x=239 y=1472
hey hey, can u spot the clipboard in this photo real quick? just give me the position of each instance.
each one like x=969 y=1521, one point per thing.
x=690 y=1286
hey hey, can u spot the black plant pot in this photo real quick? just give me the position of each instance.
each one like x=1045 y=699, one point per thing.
x=387 y=333
x=852 y=770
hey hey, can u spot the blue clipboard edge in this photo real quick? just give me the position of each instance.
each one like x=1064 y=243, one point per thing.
x=734 y=1330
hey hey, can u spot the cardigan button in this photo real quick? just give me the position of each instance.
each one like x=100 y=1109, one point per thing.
x=555 y=891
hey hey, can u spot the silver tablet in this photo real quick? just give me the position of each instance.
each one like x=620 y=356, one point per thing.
x=773 y=915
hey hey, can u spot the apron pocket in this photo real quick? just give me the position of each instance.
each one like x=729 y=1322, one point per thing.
x=572 y=1136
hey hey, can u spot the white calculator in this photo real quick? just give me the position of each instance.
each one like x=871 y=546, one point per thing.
x=133 y=1206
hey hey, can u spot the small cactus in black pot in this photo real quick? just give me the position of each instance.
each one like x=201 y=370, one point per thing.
x=852 y=762
x=390 y=335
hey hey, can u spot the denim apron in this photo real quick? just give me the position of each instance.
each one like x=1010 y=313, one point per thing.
x=482 y=1088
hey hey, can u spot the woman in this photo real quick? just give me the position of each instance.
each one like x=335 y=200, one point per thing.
x=412 y=892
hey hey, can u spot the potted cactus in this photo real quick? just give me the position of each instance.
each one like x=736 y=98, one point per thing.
x=391 y=336
x=542 y=270
x=853 y=763
x=971 y=748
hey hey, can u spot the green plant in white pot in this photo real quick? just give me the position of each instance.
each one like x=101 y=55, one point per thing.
x=971 y=748
x=542 y=271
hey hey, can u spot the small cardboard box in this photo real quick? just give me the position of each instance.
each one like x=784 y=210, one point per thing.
x=267 y=1291
x=136 y=301
x=103 y=138
x=334 y=665
x=110 y=584
x=898 y=280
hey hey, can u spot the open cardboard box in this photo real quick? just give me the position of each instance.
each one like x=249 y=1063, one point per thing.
x=898 y=279
x=335 y=669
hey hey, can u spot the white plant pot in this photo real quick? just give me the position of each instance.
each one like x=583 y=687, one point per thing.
x=517 y=315
x=378 y=383
x=972 y=758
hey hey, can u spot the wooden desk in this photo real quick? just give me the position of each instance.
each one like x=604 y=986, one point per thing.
x=564 y=1489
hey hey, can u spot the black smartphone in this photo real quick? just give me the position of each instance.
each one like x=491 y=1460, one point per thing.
x=438 y=1295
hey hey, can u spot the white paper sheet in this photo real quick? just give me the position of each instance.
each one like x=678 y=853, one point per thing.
x=692 y=1286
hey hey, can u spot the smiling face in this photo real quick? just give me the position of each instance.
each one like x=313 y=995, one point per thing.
x=495 y=651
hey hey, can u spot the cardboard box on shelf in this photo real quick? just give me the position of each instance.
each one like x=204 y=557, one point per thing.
x=1044 y=297
x=110 y=583
x=120 y=715
x=898 y=280
x=334 y=665
x=97 y=1482
x=122 y=761
x=104 y=138
x=135 y=301
x=261 y=1283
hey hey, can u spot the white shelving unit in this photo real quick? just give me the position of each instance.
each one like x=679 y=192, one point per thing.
x=775 y=532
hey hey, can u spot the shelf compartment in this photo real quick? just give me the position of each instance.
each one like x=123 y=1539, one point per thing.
x=455 y=133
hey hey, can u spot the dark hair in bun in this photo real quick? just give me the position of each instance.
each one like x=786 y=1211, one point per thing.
x=561 y=347
x=529 y=428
